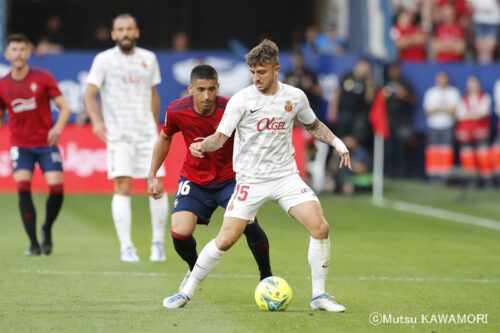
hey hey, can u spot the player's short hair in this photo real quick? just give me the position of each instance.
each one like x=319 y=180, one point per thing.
x=18 y=38
x=124 y=16
x=203 y=72
x=266 y=52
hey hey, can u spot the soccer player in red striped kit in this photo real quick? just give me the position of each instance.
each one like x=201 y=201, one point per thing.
x=26 y=93
x=204 y=184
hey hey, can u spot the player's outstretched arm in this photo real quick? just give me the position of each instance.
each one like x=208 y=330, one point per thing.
x=209 y=144
x=322 y=133
x=160 y=152
x=62 y=120
x=92 y=108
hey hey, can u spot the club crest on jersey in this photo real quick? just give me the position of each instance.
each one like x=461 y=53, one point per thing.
x=144 y=65
x=288 y=106
x=33 y=86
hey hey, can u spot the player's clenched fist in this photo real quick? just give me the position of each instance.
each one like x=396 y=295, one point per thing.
x=155 y=189
x=196 y=149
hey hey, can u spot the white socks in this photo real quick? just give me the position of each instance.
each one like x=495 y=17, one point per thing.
x=208 y=259
x=122 y=217
x=158 y=209
x=319 y=260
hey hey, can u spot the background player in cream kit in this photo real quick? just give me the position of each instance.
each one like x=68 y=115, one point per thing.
x=126 y=77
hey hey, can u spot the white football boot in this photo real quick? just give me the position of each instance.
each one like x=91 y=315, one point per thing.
x=157 y=252
x=129 y=254
x=176 y=301
x=326 y=302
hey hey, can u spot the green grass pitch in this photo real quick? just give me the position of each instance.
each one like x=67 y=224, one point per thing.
x=383 y=260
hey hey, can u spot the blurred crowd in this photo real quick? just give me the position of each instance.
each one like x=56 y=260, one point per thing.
x=459 y=130
x=446 y=30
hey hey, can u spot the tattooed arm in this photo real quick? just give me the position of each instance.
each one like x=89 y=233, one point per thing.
x=322 y=133
x=209 y=144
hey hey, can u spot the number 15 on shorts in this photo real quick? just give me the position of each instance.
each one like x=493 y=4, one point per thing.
x=241 y=192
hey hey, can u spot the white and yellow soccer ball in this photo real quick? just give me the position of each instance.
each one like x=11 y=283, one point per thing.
x=273 y=294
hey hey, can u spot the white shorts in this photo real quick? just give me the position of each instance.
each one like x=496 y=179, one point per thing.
x=288 y=192
x=131 y=159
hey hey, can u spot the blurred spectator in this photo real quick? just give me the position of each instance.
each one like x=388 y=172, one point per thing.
x=400 y=100
x=410 y=39
x=102 y=38
x=328 y=43
x=486 y=18
x=360 y=178
x=449 y=39
x=461 y=9
x=440 y=104
x=304 y=78
x=473 y=131
x=309 y=47
x=180 y=42
x=52 y=41
x=350 y=103
x=495 y=148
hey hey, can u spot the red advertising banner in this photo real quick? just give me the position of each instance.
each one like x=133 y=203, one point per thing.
x=84 y=162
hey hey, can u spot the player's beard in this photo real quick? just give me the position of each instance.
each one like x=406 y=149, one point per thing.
x=127 y=47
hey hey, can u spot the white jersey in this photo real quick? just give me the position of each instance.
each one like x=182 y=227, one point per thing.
x=496 y=96
x=263 y=147
x=442 y=98
x=125 y=83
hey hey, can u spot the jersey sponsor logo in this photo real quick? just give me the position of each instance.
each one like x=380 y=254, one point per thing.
x=270 y=124
x=23 y=104
x=288 y=106
x=252 y=111
x=133 y=79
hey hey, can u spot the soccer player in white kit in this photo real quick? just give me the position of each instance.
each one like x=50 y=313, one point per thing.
x=263 y=115
x=126 y=77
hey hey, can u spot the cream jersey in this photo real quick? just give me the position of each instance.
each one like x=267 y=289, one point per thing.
x=438 y=97
x=125 y=83
x=496 y=96
x=263 y=147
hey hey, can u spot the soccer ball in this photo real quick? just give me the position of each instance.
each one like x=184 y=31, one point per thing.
x=273 y=294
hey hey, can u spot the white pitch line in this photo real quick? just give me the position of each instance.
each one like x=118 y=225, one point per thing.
x=442 y=214
x=253 y=277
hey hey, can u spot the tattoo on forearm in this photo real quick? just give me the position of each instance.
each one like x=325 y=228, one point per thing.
x=320 y=131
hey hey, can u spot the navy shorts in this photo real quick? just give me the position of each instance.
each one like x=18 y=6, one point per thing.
x=48 y=158
x=202 y=200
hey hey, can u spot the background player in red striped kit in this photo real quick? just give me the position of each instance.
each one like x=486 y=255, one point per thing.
x=204 y=184
x=26 y=93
